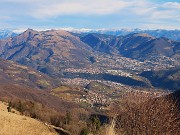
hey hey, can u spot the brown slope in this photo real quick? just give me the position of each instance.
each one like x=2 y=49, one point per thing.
x=15 y=83
x=47 y=51
x=15 y=124
x=11 y=91
x=18 y=74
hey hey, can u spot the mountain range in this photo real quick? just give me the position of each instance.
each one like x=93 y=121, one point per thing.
x=54 y=51
x=64 y=46
x=158 y=33
x=46 y=51
x=6 y=33
x=170 y=34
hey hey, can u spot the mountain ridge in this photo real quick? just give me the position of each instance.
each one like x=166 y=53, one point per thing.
x=136 y=46
x=36 y=49
x=158 y=33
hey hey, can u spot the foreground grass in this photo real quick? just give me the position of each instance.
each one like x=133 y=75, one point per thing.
x=15 y=124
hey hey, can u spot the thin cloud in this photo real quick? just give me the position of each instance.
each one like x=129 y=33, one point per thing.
x=81 y=7
x=156 y=12
x=20 y=1
x=174 y=5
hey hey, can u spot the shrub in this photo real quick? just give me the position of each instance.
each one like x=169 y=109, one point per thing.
x=155 y=116
x=84 y=131
x=68 y=118
x=20 y=107
x=56 y=120
x=94 y=124
x=9 y=106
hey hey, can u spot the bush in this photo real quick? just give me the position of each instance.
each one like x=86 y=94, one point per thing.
x=20 y=107
x=9 y=106
x=68 y=118
x=56 y=120
x=72 y=122
x=155 y=116
x=9 y=109
x=84 y=131
x=38 y=111
x=94 y=124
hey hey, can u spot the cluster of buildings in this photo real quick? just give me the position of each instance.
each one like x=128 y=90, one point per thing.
x=103 y=100
x=121 y=66
x=95 y=99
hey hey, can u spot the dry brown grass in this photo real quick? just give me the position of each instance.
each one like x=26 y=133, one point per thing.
x=61 y=88
x=111 y=129
x=15 y=124
x=67 y=93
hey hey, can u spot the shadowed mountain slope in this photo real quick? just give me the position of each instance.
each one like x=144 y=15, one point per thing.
x=136 y=46
x=169 y=79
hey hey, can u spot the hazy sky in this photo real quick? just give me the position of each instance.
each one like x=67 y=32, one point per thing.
x=93 y=14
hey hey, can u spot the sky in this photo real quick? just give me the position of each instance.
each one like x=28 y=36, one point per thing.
x=90 y=14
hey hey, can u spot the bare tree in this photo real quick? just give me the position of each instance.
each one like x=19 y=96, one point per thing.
x=138 y=115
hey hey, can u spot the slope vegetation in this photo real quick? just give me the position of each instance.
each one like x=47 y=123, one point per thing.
x=21 y=82
x=14 y=124
x=15 y=73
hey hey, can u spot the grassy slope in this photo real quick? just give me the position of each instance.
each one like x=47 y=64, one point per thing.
x=67 y=93
x=14 y=124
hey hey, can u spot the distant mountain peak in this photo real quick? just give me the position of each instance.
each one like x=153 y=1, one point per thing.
x=6 y=33
x=61 y=32
x=30 y=31
x=142 y=35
